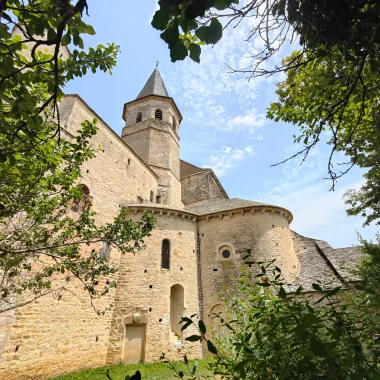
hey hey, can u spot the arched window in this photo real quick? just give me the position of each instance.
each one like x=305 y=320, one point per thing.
x=84 y=202
x=139 y=117
x=158 y=114
x=165 y=254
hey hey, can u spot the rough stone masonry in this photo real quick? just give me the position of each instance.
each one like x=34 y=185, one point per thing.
x=193 y=254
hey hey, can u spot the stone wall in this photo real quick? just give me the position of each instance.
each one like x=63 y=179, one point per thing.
x=188 y=169
x=144 y=287
x=116 y=173
x=147 y=106
x=157 y=144
x=61 y=332
x=266 y=233
x=199 y=188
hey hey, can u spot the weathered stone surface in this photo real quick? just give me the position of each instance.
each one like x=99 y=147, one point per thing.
x=61 y=333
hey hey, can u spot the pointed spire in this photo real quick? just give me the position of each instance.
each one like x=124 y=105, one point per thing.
x=154 y=86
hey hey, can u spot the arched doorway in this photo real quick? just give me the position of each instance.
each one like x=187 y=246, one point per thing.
x=176 y=308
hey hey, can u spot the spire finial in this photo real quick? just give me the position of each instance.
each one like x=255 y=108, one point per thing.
x=157 y=62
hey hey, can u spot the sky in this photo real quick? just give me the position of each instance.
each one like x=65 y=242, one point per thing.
x=224 y=124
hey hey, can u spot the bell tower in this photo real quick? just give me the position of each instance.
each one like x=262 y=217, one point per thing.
x=152 y=130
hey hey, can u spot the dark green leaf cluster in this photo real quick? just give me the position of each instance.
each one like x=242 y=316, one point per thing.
x=332 y=95
x=181 y=31
x=33 y=70
x=43 y=244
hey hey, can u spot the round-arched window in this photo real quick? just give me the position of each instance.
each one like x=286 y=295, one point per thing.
x=139 y=117
x=158 y=114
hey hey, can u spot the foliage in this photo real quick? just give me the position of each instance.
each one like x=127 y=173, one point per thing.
x=43 y=245
x=330 y=96
x=350 y=26
x=340 y=39
x=271 y=330
x=367 y=301
x=33 y=70
x=151 y=371
x=42 y=242
x=366 y=201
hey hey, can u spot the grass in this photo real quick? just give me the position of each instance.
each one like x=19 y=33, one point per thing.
x=153 y=371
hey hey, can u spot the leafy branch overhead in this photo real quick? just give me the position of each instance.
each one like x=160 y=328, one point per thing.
x=331 y=86
x=50 y=237
x=183 y=34
x=32 y=62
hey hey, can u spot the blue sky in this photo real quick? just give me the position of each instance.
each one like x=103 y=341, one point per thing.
x=224 y=124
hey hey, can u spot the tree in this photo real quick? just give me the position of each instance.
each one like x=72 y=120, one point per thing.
x=329 y=96
x=271 y=330
x=33 y=72
x=48 y=233
x=352 y=27
x=332 y=82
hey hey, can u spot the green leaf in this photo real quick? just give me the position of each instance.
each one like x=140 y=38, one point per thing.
x=193 y=338
x=12 y=160
x=334 y=291
x=66 y=39
x=318 y=347
x=202 y=327
x=282 y=293
x=3 y=158
x=160 y=19
x=211 y=347
x=186 y=325
x=215 y=31
x=90 y=30
x=171 y=35
x=263 y=284
x=309 y=319
x=178 y=52
x=316 y=287
x=195 y=52
x=220 y=5
x=210 y=34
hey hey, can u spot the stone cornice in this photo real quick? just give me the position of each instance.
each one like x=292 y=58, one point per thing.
x=157 y=209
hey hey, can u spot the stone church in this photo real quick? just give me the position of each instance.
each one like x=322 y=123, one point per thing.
x=193 y=254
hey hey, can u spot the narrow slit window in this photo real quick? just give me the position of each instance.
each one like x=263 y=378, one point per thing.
x=104 y=253
x=165 y=256
x=158 y=114
x=139 y=117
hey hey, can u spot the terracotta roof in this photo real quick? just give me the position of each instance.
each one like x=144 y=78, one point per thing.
x=154 y=86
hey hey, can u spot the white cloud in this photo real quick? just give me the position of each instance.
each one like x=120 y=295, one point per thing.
x=318 y=212
x=251 y=121
x=208 y=94
x=228 y=158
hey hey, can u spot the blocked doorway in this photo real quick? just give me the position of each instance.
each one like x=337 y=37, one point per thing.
x=176 y=308
x=134 y=344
